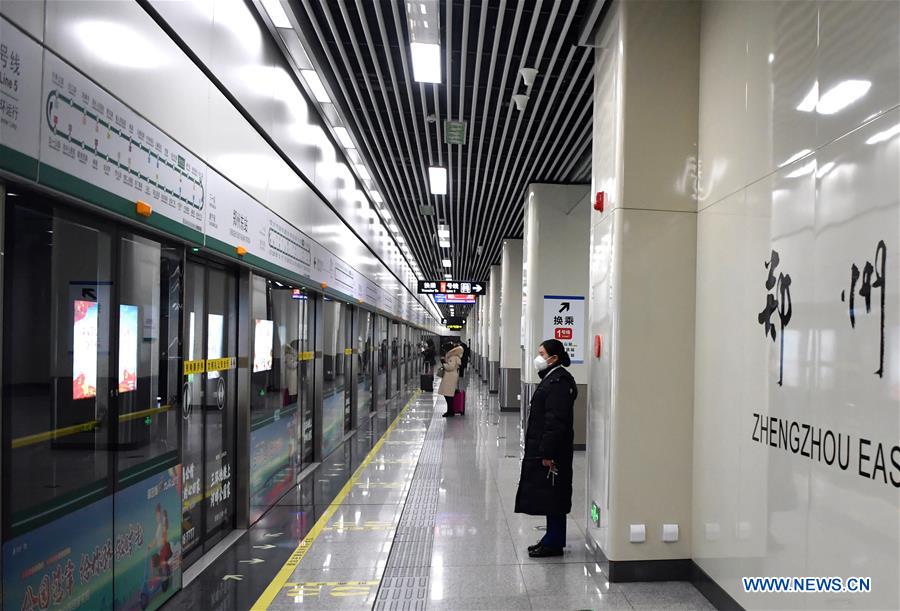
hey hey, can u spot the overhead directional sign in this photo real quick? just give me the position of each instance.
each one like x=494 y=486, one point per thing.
x=454 y=298
x=436 y=287
x=454 y=321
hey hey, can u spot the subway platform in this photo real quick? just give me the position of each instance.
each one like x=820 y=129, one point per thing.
x=417 y=513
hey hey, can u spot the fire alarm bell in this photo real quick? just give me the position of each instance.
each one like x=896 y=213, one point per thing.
x=599 y=200
x=598 y=346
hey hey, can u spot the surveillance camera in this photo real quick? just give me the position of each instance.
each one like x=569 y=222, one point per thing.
x=521 y=101
x=528 y=75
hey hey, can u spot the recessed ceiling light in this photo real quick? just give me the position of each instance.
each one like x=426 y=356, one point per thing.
x=437 y=180
x=426 y=60
x=446 y=263
x=444 y=244
x=344 y=136
x=276 y=13
x=315 y=84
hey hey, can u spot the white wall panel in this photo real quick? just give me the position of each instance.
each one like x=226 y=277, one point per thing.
x=759 y=509
x=27 y=14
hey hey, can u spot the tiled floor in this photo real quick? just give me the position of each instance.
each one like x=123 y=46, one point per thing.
x=477 y=544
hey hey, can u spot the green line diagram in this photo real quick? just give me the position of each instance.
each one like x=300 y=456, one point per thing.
x=180 y=168
x=273 y=244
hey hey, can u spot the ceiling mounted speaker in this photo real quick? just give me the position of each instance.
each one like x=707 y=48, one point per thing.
x=528 y=75
x=521 y=101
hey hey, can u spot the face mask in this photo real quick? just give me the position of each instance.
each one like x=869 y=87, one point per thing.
x=540 y=363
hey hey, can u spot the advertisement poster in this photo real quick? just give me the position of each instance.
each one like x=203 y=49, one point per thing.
x=271 y=472
x=148 y=542
x=215 y=329
x=128 y=347
x=262 y=346
x=66 y=564
x=84 y=349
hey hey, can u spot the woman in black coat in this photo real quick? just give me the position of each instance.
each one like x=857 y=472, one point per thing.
x=545 y=485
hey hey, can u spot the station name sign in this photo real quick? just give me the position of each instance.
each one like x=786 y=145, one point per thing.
x=438 y=287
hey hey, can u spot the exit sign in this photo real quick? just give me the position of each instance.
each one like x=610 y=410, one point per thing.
x=454 y=132
x=595 y=514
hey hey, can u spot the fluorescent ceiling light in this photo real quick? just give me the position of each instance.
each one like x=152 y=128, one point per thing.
x=841 y=96
x=448 y=276
x=363 y=172
x=276 y=13
x=437 y=179
x=444 y=234
x=376 y=197
x=812 y=98
x=444 y=243
x=446 y=263
x=426 y=61
x=344 y=136
x=315 y=84
x=885 y=135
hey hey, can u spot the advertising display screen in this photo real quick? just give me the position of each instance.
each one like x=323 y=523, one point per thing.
x=84 y=349
x=128 y=347
x=215 y=329
x=262 y=346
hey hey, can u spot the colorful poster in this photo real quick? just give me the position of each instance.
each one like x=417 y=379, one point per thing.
x=148 y=542
x=271 y=473
x=128 y=347
x=262 y=346
x=66 y=564
x=84 y=349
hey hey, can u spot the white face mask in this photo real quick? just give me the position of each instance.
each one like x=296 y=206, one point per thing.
x=540 y=363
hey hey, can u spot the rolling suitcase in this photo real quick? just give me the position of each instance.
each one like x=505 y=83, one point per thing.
x=426 y=382
x=459 y=402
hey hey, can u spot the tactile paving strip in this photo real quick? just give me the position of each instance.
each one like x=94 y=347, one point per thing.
x=404 y=585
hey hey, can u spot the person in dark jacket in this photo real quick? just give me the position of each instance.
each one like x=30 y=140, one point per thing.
x=428 y=356
x=545 y=484
x=465 y=359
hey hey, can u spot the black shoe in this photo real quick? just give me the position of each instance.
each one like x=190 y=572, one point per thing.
x=447 y=415
x=531 y=548
x=545 y=552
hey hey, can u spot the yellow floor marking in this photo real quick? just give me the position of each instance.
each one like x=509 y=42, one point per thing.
x=276 y=585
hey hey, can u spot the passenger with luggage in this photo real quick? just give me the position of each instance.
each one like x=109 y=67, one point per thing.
x=450 y=377
x=428 y=356
x=545 y=484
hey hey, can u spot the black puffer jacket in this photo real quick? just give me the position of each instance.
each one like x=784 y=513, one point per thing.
x=550 y=434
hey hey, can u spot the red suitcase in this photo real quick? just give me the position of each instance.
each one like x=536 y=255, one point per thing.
x=459 y=402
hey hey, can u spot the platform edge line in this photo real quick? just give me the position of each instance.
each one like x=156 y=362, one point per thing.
x=290 y=565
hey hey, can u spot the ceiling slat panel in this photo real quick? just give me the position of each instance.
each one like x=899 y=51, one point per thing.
x=361 y=49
